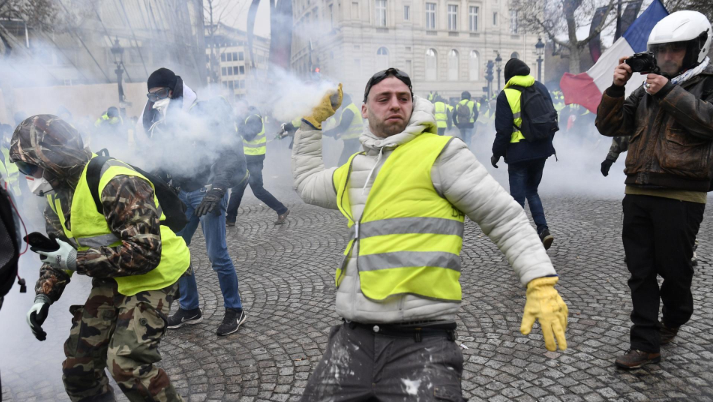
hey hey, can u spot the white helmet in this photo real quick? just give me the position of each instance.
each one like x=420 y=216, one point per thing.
x=689 y=29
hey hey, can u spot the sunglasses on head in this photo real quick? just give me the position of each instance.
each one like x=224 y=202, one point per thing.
x=27 y=169
x=158 y=95
x=382 y=75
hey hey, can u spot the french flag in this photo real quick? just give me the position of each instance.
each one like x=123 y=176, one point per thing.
x=586 y=89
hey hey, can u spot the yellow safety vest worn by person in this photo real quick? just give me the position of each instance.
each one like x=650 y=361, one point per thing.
x=258 y=145
x=441 y=114
x=470 y=104
x=356 y=126
x=514 y=96
x=409 y=236
x=90 y=230
x=11 y=173
x=110 y=120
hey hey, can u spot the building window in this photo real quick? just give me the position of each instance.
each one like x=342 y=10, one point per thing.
x=474 y=66
x=407 y=13
x=431 y=65
x=430 y=15
x=222 y=57
x=241 y=70
x=380 y=13
x=235 y=70
x=223 y=71
x=513 y=21
x=452 y=17
x=230 y=70
x=382 y=59
x=241 y=56
x=495 y=18
x=473 y=18
x=514 y=55
x=453 y=65
x=229 y=57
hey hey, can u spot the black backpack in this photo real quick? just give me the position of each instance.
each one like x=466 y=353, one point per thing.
x=9 y=246
x=172 y=206
x=539 y=117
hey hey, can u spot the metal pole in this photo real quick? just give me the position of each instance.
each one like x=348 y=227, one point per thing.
x=499 y=79
x=539 y=68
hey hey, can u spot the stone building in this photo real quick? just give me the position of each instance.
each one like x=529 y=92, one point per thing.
x=443 y=45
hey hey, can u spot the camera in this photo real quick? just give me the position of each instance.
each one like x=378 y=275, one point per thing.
x=644 y=63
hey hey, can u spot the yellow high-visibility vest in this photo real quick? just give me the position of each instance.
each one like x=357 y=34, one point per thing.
x=90 y=230
x=409 y=236
x=514 y=96
x=356 y=126
x=258 y=145
x=11 y=173
x=441 y=114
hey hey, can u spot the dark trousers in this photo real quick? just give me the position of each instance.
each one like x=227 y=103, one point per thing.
x=441 y=131
x=658 y=236
x=525 y=178
x=351 y=146
x=466 y=134
x=363 y=365
x=255 y=164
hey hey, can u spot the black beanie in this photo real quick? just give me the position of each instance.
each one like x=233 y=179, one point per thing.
x=515 y=67
x=163 y=78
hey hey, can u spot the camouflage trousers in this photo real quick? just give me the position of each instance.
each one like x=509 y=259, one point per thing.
x=121 y=333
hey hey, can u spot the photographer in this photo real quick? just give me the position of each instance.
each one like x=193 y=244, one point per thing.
x=668 y=169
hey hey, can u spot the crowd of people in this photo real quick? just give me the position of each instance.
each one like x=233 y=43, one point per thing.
x=404 y=188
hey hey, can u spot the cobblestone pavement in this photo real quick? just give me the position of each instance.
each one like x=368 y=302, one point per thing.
x=286 y=281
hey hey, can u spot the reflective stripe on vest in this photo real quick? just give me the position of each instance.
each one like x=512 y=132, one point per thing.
x=356 y=127
x=409 y=238
x=258 y=145
x=513 y=97
x=441 y=115
x=90 y=230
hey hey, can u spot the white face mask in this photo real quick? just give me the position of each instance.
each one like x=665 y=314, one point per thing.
x=39 y=186
x=162 y=105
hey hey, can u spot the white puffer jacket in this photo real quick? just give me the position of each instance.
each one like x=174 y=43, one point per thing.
x=457 y=175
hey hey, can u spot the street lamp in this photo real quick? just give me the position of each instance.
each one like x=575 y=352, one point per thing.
x=539 y=51
x=498 y=67
x=489 y=76
x=118 y=52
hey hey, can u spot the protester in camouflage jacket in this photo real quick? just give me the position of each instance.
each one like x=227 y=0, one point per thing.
x=111 y=330
x=618 y=145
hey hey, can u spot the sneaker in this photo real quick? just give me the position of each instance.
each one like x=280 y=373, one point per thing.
x=234 y=317
x=546 y=238
x=667 y=334
x=185 y=317
x=281 y=218
x=229 y=223
x=634 y=359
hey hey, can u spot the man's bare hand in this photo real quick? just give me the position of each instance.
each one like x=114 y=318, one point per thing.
x=654 y=83
x=622 y=73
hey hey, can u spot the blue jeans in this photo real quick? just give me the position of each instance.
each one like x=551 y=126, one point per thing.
x=214 y=232
x=466 y=134
x=255 y=165
x=524 y=179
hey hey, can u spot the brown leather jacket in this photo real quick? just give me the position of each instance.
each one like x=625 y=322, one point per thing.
x=672 y=133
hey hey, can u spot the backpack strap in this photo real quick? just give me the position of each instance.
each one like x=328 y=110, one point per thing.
x=94 y=176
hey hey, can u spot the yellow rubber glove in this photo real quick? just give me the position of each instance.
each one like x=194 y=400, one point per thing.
x=545 y=304
x=326 y=108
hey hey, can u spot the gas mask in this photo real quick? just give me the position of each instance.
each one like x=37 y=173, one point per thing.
x=40 y=186
x=162 y=105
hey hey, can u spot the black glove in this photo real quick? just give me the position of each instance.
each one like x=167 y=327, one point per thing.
x=40 y=242
x=37 y=316
x=494 y=161
x=605 y=167
x=210 y=202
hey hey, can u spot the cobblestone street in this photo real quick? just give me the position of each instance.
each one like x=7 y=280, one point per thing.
x=286 y=282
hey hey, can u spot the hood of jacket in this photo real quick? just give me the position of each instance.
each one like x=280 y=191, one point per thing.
x=54 y=145
x=521 y=80
x=421 y=121
x=182 y=98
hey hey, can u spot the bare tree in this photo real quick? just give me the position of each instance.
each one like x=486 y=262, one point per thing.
x=703 y=6
x=546 y=16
